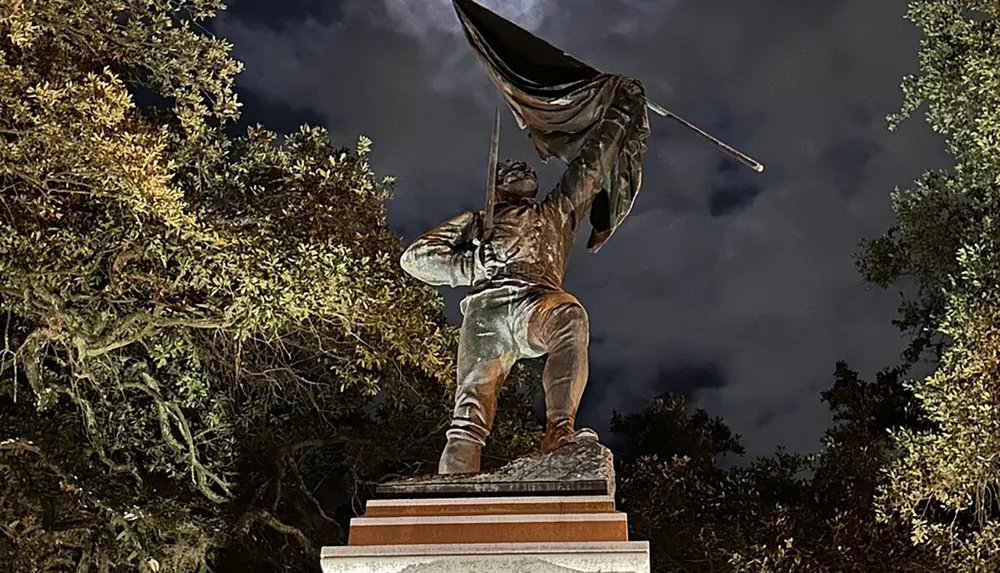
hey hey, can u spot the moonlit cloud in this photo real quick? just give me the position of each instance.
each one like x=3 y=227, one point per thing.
x=430 y=17
x=438 y=33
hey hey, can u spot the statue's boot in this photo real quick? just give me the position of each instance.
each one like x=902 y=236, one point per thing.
x=561 y=434
x=460 y=457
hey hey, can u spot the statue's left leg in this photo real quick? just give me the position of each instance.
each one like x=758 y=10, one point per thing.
x=558 y=324
x=486 y=353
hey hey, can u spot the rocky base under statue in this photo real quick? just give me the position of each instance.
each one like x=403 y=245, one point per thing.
x=582 y=467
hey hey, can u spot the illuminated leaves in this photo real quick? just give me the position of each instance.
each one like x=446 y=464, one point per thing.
x=183 y=305
x=946 y=480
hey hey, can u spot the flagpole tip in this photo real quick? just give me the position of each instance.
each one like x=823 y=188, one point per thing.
x=759 y=168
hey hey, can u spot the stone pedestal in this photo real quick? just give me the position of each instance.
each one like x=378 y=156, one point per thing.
x=540 y=514
x=629 y=557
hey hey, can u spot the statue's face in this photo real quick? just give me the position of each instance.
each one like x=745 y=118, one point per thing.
x=516 y=180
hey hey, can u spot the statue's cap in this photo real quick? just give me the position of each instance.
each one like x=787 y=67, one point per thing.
x=514 y=167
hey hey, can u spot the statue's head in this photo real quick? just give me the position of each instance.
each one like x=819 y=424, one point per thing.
x=516 y=180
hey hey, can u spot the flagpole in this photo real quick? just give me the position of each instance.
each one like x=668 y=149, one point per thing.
x=746 y=159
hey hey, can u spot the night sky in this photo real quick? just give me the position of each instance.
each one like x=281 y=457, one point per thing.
x=736 y=289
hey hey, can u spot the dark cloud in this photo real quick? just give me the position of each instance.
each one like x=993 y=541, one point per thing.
x=604 y=385
x=286 y=13
x=730 y=199
x=688 y=378
x=768 y=293
x=608 y=391
x=275 y=115
x=764 y=418
x=849 y=158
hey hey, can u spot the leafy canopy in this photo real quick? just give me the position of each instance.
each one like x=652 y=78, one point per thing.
x=945 y=480
x=209 y=352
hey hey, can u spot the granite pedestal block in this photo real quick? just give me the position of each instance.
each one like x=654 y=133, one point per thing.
x=616 y=557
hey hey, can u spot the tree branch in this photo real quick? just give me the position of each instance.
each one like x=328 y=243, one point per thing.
x=274 y=523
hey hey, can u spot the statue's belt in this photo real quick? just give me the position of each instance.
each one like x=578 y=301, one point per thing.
x=518 y=273
x=520 y=270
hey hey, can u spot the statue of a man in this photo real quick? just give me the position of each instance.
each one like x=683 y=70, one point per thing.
x=517 y=307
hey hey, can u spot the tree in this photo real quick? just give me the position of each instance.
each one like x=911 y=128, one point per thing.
x=830 y=523
x=945 y=479
x=780 y=513
x=693 y=512
x=209 y=352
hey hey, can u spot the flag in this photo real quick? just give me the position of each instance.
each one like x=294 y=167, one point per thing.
x=559 y=100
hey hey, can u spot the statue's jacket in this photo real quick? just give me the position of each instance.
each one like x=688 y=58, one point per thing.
x=533 y=240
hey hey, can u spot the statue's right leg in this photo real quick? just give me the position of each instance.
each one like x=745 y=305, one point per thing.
x=486 y=354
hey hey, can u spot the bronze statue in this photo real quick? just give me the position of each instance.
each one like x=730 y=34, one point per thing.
x=517 y=307
x=514 y=254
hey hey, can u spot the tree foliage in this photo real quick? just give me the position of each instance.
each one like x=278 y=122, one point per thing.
x=675 y=494
x=830 y=522
x=209 y=352
x=945 y=480
x=780 y=513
